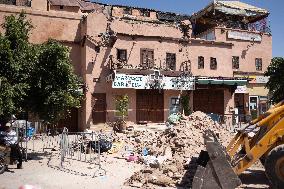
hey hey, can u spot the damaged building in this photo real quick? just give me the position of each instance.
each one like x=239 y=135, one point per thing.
x=216 y=57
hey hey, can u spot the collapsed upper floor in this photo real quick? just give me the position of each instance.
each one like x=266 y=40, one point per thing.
x=224 y=37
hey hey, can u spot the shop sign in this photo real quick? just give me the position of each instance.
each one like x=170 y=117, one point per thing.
x=244 y=36
x=177 y=83
x=241 y=89
x=129 y=81
x=142 y=82
x=258 y=79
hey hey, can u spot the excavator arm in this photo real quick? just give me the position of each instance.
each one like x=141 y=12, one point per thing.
x=243 y=151
x=270 y=134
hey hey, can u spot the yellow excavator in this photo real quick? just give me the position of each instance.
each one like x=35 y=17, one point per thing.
x=262 y=139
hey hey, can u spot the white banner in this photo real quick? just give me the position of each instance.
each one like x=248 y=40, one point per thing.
x=129 y=81
x=244 y=36
x=258 y=79
x=144 y=82
x=241 y=89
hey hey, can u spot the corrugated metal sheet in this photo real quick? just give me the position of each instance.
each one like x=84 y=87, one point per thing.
x=241 y=6
x=232 y=8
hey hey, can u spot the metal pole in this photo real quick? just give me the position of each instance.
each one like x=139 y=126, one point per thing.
x=26 y=141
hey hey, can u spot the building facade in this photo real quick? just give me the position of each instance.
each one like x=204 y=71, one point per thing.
x=214 y=57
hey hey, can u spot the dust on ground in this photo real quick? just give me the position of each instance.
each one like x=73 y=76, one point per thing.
x=169 y=152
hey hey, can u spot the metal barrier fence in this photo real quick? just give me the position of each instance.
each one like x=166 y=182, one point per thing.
x=50 y=137
x=85 y=147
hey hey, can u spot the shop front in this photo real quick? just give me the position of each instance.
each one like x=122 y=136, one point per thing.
x=242 y=103
x=215 y=95
x=256 y=94
x=153 y=94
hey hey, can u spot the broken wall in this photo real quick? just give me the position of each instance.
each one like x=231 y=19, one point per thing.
x=136 y=13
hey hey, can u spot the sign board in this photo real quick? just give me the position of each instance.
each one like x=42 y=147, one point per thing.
x=129 y=81
x=142 y=82
x=177 y=83
x=258 y=79
x=244 y=36
x=241 y=89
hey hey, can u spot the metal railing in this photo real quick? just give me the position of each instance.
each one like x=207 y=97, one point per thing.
x=85 y=147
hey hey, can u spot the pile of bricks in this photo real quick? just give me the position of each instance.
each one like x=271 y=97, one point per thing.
x=175 y=150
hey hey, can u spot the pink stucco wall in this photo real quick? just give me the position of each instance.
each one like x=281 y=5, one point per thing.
x=162 y=39
x=248 y=50
x=39 y=5
x=71 y=28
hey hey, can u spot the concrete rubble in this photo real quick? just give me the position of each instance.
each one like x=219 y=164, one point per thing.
x=170 y=156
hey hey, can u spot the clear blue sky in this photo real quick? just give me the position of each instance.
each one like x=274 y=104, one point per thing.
x=275 y=8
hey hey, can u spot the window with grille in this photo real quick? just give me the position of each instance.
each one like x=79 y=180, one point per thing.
x=147 y=58
x=200 y=62
x=213 y=63
x=121 y=55
x=145 y=13
x=236 y=62
x=127 y=11
x=258 y=64
x=171 y=61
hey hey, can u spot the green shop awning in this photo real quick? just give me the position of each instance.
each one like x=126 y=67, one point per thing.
x=208 y=81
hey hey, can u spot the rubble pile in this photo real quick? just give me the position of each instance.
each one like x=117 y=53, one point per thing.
x=170 y=154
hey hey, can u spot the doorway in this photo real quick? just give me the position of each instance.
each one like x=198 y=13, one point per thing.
x=149 y=106
x=99 y=108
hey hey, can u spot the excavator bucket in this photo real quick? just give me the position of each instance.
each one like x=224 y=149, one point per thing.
x=214 y=169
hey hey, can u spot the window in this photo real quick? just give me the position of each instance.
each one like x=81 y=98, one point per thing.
x=147 y=58
x=61 y=7
x=121 y=55
x=127 y=11
x=175 y=106
x=97 y=49
x=175 y=101
x=213 y=63
x=145 y=13
x=235 y=62
x=258 y=64
x=200 y=62
x=171 y=61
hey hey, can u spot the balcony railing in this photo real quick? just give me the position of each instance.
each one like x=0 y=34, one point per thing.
x=115 y=64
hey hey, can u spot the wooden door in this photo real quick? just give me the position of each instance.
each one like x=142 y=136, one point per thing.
x=99 y=108
x=149 y=106
x=209 y=101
